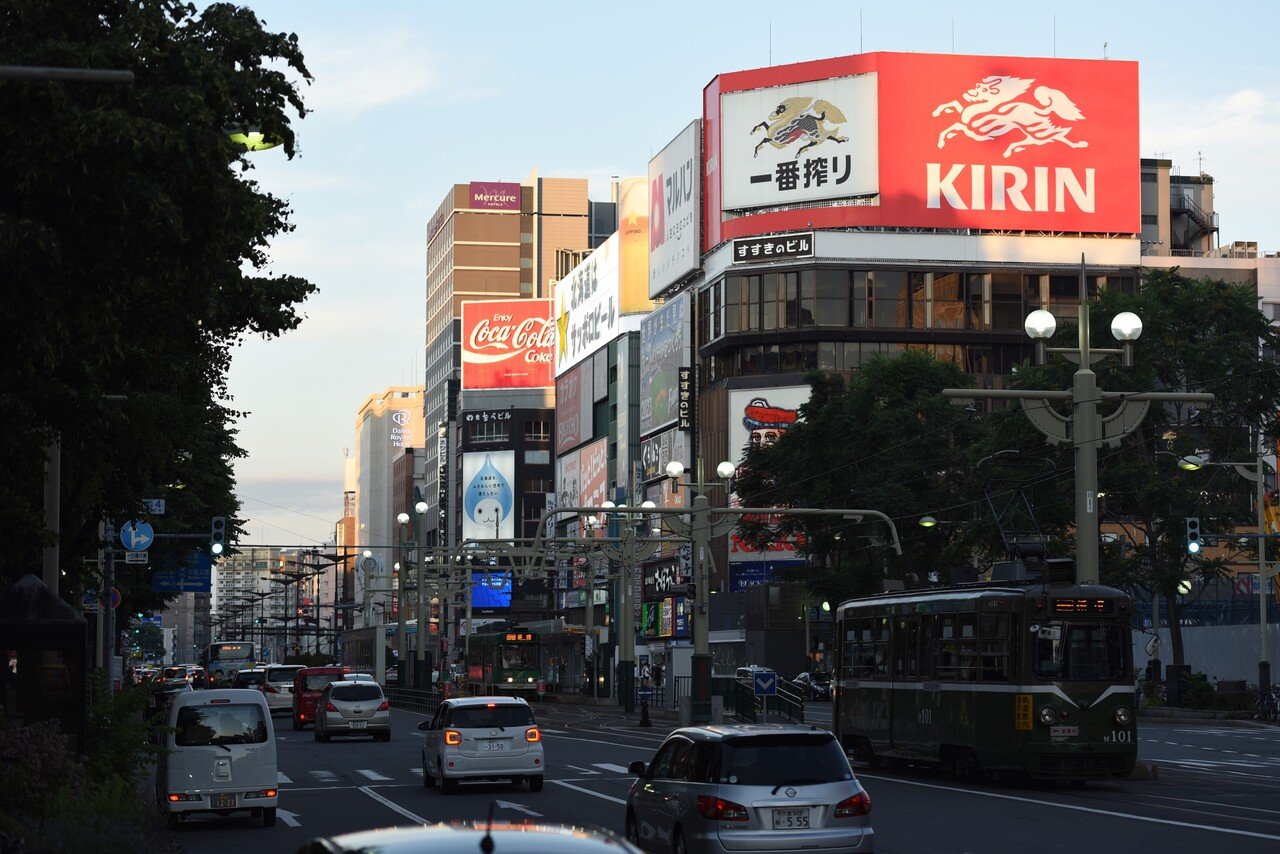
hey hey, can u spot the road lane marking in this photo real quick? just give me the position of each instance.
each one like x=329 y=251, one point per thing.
x=579 y=768
x=324 y=776
x=555 y=731
x=609 y=766
x=282 y=778
x=1075 y=807
x=417 y=771
x=372 y=775
x=392 y=805
x=289 y=818
x=601 y=795
x=598 y=741
x=511 y=805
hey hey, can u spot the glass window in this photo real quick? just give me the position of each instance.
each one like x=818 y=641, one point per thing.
x=808 y=357
x=858 y=295
x=703 y=765
x=833 y=298
x=750 y=360
x=732 y=304
x=501 y=714
x=808 y=300
x=667 y=757
x=753 y=304
x=949 y=309
x=490 y=431
x=233 y=723
x=889 y=289
x=537 y=431
x=249 y=679
x=790 y=358
x=827 y=356
x=356 y=692
x=770 y=354
x=852 y=359
x=317 y=683
x=769 y=302
x=519 y=656
x=767 y=760
x=1083 y=652
x=916 y=290
x=534 y=458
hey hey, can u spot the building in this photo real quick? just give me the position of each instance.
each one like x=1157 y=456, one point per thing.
x=490 y=241
x=188 y=615
x=243 y=607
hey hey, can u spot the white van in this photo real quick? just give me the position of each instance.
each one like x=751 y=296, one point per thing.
x=220 y=756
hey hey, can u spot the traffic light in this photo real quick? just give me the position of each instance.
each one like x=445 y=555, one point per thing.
x=1193 y=534
x=218 y=535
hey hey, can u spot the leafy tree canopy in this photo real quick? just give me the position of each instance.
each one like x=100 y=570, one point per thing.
x=135 y=244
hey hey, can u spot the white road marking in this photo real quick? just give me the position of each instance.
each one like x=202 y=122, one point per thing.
x=609 y=766
x=417 y=771
x=1075 y=807
x=601 y=795
x=510 y=805
x=555 y=731
x=583 y=770
x=289 y=818
x=372 y=775
x=609 y=743
x=418 y=734
x=324 y=776
x=392 y=805
x=282 y=778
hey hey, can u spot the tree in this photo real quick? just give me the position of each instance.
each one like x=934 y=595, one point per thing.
x=883 y=440
x=1198 y=335
x=132 y=230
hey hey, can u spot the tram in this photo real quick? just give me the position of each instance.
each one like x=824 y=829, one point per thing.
x=503 y=662
x=999 y=678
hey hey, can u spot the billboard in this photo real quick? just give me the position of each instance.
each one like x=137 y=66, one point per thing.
x=488 y=497
x=574 y=407
x=761 y=416
x=495 y=196
x=508 y=344
x=633 y=246
x=675 y=207
x=985 y=142
x=407 y=426
x=664 y=348
x=813 y=141
x=594 y=472
x=569 y=481
x=490 y=591
x=660 y=449
x=587 y=306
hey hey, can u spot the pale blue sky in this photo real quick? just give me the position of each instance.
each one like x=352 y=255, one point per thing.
x=411 y=97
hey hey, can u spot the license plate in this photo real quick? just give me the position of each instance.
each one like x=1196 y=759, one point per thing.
x=222 y=801
x=1064 y=731
x=790 y=819
x=359 y=724
x=495 y=745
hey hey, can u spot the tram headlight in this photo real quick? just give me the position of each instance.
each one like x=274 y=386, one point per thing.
x=1048 y=716
x=1123 y=716
x=510 y=679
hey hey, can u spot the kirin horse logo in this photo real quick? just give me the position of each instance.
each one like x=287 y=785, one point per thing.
x=813 y=120
x=991 y=109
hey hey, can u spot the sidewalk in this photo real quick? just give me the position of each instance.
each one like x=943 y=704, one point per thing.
x=1202 y=716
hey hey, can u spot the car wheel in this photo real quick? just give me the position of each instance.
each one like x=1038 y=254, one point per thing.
x=678 y=845
x=535 y=782
x=633 y=829
x=269 y=817
x=326 y=738
x=386 y=736
x=428 y=779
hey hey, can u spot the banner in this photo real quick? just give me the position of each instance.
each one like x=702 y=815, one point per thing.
x=675 y=206
x=488 y=498
x=508 y=344
x=574 y=407
x=664 y=347
x=595 y=473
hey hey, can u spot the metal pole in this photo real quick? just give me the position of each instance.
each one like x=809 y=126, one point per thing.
x=1085 y=428
x=700 y=687
x=108 y=584
x=1259 y=486
x=626 y=629
x=424 y=620
x=400 y=621
x=53 y=512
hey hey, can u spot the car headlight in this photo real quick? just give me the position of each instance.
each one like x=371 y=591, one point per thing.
x=1123 y=716
x=1048 y=716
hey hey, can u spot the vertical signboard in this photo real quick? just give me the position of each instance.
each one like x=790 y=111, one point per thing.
x=633 y=246
x=587 y=306
x=574 y=407
x=508 y=344
x=664 y=347
x=675 y=206
x=488 y=497
x=762 y=417
x=406 y=426
x=594 y=473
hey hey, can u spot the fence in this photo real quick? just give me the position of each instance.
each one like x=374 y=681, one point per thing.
x=410 y=700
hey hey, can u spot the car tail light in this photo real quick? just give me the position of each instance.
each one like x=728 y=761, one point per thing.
x=718 y=809
x=177 y=798
x=330 y=707
x=267 y=689
x=533 y=734
x=859 y=804
x=261 y=793
x=385 y=707
x=452 y=736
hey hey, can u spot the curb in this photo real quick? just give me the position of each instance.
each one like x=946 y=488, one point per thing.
x=1145 y=771
x=1193 y=716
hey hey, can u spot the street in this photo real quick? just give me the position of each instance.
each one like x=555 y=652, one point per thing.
x=1217 y=790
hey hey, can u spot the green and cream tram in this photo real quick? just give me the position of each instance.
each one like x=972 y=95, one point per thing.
x=1001 y=678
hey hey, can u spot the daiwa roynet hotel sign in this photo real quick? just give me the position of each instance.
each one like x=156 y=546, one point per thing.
x=922 y=140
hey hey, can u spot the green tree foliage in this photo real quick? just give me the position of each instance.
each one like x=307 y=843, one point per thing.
x=884 y=440
x=135 y=247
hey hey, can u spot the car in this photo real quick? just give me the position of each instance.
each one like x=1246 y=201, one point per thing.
x=813 y=685
x=749 y=671
x=251 y=678
x=353 y=708
x=195 y=675
x=308 y=685
x=278 y=686
x=757 y=787
x=482 y=738
x=504 y=838
x=169 y=689
x=358 y=677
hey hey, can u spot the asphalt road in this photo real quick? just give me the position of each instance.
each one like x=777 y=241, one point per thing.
x=1218 y=790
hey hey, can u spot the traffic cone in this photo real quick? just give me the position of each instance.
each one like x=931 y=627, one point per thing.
x=644 y=713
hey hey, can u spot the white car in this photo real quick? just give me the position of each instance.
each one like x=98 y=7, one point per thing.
x=482 y=738
x=278 y=687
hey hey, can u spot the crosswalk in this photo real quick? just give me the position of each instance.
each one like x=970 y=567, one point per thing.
x=365 y=776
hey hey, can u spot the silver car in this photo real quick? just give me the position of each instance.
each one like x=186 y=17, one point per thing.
x=278 y=687
x=766 y=787
x=353 y=708
x=503 y=838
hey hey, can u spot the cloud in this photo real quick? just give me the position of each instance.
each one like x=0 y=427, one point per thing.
x=367 y=71
x=1247 y=119
x=283 y=509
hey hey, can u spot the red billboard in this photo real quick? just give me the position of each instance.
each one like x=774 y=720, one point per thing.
x=975 y=142
x=508 y=344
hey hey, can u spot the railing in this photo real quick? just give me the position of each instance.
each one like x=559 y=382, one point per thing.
x=411 y=700
x=655 y=694
x=744 y=703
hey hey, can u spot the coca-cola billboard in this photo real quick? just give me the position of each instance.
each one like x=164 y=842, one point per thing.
x=508 y=344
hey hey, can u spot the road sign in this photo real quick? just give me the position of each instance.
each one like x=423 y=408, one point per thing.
x=135 y=557
x=154 y=620
x=115 y=598
x=194 y=577
x=154 y=506
x=765 y=683
x=135 y=536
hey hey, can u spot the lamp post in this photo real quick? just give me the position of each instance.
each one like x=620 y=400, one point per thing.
x=1084 y=429
x=420 y=680
x=1255 y=472
x=401 y=570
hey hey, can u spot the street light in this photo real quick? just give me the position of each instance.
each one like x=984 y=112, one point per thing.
x=928 y=521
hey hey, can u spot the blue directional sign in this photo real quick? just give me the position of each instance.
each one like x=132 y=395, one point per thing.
x=765 y=683
x=195 y=577
x=136 y=536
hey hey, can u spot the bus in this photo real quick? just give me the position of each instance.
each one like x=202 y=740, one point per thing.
x=994 y=679
x=222 y=660
x=503 y=662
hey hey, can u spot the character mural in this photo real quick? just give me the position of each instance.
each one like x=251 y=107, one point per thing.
x=488 y=501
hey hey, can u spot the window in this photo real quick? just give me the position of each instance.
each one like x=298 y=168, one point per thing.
x=957 y=301
x=769 y=303
x=237 y=723
x=501 y=715
x=1007 y=293
x=490 y=431
x=668 y=755
x=356 y=692
x=538 y=484
x=703 y=765
x=535 y=458
x=833 y=298
x=1150 y=219
x=1083 y=652
x=993 y=647
x=889 y=294
x=765 y=760
x=537 y=431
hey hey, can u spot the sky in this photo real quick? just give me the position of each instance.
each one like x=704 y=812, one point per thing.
x=409 y=98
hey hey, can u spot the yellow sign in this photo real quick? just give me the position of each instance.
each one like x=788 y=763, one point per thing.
x=1022 y=719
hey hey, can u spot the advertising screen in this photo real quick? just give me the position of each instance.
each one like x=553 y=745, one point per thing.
x=488 y=498
x=664 y=347
x=490 y=591
x=508 y=344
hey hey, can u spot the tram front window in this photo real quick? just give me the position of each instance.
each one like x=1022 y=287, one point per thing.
x=518 y=657
x=1082 y=651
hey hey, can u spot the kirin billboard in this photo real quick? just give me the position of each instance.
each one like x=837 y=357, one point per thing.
x=508 y=344
x=985 y=142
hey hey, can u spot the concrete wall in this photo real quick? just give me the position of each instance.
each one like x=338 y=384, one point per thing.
x=1222 y=652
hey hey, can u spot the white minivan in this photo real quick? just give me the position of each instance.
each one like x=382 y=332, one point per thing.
x=220 y=756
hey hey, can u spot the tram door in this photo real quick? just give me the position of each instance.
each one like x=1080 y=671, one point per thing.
x=908 y=714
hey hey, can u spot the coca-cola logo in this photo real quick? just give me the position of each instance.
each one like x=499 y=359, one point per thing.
x=504 y=338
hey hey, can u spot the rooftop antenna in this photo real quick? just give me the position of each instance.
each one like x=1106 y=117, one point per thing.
x=1104 y=49
x=486 y=842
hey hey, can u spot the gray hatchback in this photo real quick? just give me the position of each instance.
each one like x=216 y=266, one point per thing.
x=353 y=708
x=765 y=787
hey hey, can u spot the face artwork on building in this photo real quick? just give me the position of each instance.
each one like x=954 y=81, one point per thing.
x=765 y=423
x=488 y=501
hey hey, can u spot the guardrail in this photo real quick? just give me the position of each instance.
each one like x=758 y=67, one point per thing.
x=411 y=700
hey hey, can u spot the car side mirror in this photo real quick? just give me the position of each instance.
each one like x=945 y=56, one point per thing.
x=424 y=725
x=637 y=768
